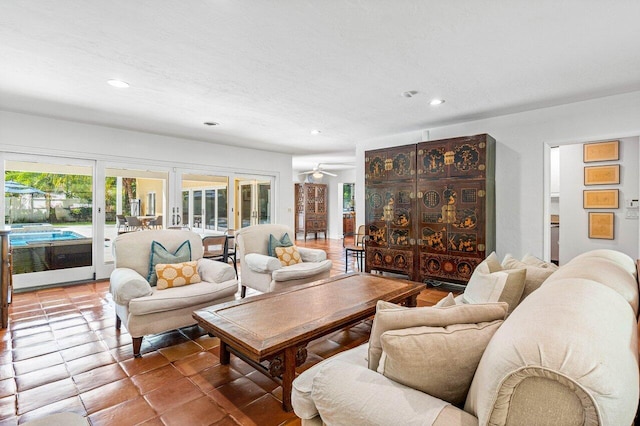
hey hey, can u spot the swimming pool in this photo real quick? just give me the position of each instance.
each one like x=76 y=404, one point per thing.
x=43 y=250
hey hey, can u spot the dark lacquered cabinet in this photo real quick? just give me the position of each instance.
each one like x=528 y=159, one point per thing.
x=440 y=222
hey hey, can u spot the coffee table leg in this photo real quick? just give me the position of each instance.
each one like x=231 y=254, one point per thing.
x=225 y=355
x=288 y=375
x=412 y=301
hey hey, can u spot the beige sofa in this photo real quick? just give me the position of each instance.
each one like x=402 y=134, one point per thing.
x=567 y=355
x=144 y=309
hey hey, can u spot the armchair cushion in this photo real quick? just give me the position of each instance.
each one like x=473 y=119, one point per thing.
x=288 y=255
x=301 y=270
x=127 y=284
x=262 y=263
x=215 y=272
x=285 y=241
x=440 y=361
x=177 y=274
x=159 y=254
x=390 y=316
x=537 y=272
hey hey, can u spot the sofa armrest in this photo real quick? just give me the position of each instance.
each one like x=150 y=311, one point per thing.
x=312 y=255
x=347 y=394
x=126 y=284
x=213 y=271
x=262 y=263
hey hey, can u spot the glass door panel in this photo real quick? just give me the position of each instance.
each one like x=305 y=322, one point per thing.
x=49 y=207
x=253 y=202
x=197 y=211
x=264 y=202
x=207 y=196
x=185 y=208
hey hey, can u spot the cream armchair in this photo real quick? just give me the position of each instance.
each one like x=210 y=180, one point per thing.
x=265 y=273
x=144 y=309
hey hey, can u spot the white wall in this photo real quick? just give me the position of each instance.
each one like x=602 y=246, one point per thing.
x=521 y=196
x=574 y=231
x=47 y=136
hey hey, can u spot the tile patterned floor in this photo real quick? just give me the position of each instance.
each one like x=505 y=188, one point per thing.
x=61 y=352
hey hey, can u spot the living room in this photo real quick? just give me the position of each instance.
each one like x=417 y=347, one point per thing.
x=574 y=80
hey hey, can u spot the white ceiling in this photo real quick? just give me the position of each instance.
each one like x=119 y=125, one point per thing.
x=271 y=71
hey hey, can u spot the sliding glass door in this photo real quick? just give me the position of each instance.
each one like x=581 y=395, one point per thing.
x=204 y=202
x=253 y=202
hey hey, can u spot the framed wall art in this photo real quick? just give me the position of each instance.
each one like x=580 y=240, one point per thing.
x=601 y=151
x=602 y=175
x=601 y=225
x=600 y=199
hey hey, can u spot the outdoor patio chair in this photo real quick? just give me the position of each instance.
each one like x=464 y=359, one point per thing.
x=122 y=223
x=215 y=247
x=356 y=249
x=156 y=223
x=133 y=223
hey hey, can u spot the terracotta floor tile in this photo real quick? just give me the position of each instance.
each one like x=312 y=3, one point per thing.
x=67 y=320
x=266 y=383
x=207 y=342
x=102 y=324
x=35 y=315
x=227 y=421
x=312 y=359
x=211 y=378
x=17 y=324
x=6 y=357
x=20 y=354
x=90 y=362
x=109 y=395
x=201 y=411
x=117 y=341
x=29 y=331
x=148 y=362
x=241 y=392
x=181 y=350
x=239 y=365
x=45 y=395
x=72 y=405
x=77 y=339
x=165 y=340
x=83 y=350
x=98 y=377
x=130 y=412
x=6 y=371
x=41 y=377
x=267 y=411
x=197 y=362
x=152 y=422
x=154 y=379
x=71 y=331
x=193 y=332
x=173 y=395
x=8 y=407
x=37 y=363
x=7 y=387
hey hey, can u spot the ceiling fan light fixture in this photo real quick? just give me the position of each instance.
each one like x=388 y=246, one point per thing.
x=435 y=102
x=315 y=132
x=317 y=175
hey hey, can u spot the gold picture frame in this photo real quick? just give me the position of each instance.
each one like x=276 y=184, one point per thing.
x=600 y=199
x=601 y=225
x=601 y=151
x=602 y=175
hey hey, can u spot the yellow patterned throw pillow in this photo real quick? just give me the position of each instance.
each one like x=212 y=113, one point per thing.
x=177 y=274
x=288 y=255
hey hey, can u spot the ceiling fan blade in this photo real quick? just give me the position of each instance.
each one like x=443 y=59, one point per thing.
x=328 y=173
x=307 y=173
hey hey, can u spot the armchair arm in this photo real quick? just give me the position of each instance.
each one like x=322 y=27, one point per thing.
x=262 y=263
x=126 y=284
x=312 y=255
x=213 y=271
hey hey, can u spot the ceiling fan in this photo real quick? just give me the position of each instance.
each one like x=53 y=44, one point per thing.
x=317 y=172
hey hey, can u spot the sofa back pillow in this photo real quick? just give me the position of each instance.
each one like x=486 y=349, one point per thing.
x=274 y=242
x=177 y=274
x=537 y=272
x=390 y=316
x=159 y=254
x=288 y=255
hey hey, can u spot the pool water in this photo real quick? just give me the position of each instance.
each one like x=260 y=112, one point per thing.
x=23 y=239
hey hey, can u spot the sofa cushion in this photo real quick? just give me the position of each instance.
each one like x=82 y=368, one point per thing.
x=288 y=255
x=159 y=254
x=215 y=272
x=274 y=242
x=126 y=284
x=177 y=274
x=490 y=283
x=537 y=272
x=531 y=260
x=394 y=317
x=182 y=297
x=440 y=361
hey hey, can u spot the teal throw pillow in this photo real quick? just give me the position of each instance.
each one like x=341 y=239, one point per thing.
x=159 y=254
x=285 y=241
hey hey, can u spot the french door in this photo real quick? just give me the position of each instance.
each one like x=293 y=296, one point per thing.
x=253 y=201
x=204 y=202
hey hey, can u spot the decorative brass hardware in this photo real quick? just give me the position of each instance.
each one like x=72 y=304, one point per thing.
x=481 y=145
x=481 y=193
x=481 y=167
x=449 y=158
x=412 y=241
x=421 y=152
x=388 y=164
x=420 y=195
x=481 y=247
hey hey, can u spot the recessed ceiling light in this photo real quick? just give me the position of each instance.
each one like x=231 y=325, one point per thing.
x=409 y=94
x=436 y=101
x=118 y=83
x=315 y=132
x=211 y=123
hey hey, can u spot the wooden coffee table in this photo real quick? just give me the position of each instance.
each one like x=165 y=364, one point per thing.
x=276 y=327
